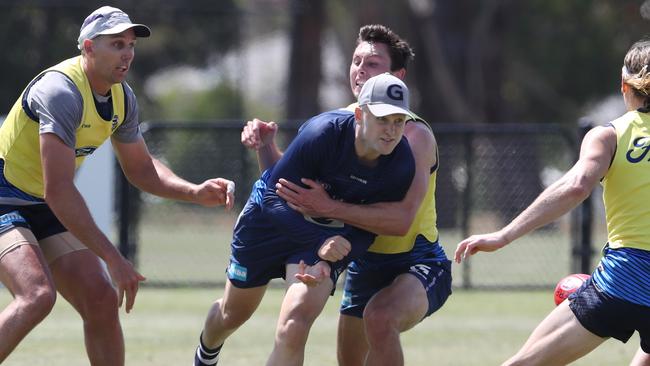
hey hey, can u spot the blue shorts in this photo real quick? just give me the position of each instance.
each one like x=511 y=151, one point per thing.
x=38 y=218
x=260 y=253
x=608 y=316
x=373 y=272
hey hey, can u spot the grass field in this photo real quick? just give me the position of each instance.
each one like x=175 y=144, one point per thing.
x=474 y=328
x=197 y=252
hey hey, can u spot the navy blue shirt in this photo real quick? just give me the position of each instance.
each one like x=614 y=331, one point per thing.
x=324 y=151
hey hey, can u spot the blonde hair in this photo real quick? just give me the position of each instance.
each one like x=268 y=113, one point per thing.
x=636 y=70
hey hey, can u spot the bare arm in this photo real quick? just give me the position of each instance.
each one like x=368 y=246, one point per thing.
x=384 y=218
x=575 y=186
x=260 y=135
x=58 y=161
x=151 y=175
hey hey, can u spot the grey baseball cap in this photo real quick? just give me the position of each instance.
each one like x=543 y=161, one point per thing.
x=109 y=20
x=385 y=94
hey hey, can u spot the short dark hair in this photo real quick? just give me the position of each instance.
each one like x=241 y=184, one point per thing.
x=399 y=50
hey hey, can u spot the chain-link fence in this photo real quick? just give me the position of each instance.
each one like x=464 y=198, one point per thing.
x=488 y=174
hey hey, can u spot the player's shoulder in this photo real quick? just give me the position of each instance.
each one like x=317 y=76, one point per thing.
x=55 y=89
x=334 y=119
x=337 y=114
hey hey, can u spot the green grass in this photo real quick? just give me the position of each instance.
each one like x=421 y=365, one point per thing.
x=197 y=251
x=474 y=328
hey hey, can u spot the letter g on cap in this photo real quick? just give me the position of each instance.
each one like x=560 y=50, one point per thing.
x=395 y=92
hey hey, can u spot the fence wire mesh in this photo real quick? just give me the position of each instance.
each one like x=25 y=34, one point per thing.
x=488 y=174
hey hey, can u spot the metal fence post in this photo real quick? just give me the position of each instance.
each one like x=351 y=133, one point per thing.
x=466 y=207
x=583 y=219
x=127 y=216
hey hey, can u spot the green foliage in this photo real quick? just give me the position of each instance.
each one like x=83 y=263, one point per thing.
x=37 y=34
x=562 y=54
x=221 y=102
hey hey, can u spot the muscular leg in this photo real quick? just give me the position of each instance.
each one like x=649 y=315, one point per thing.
x=351 y=344
x=558 y=340
x=393 y=310
x=24 y=273
x=640 y=358
x=81 y=279
x=230 y=312
x=300 y=308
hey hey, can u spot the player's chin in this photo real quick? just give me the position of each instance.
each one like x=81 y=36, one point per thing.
x=387 y=147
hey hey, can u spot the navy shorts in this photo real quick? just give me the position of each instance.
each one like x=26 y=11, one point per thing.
x=260 y=253
x=368 y=276
x=608 y=316
x=38 y=218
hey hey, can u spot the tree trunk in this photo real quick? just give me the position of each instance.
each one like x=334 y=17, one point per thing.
x=308 y=18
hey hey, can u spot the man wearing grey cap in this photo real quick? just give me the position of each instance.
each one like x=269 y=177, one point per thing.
x=48 y=239
x=359 y=157
x=405 y=260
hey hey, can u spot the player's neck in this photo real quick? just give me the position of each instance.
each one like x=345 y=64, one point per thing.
x=366 y=155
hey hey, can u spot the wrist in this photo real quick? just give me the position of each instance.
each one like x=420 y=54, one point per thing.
x=193 y=192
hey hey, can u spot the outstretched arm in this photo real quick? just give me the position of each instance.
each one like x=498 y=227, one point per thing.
x=384 y=218
x=596 y=153
x=152 y=176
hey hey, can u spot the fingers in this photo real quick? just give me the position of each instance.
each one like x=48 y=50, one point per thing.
x=216 y=191
x=287 y=191
x=346 y=247
x=308 y=280
x=333 y=252
x=230 y=195
x=120 y=296
x=273 y=127
x=321 y=271
x=131 y=292
x=311 y=183
x=459 y=253
x=250 y=135
x=338 y=252
x=258 y=133
x=127 y=288
x=464 y=249
x=286 y=185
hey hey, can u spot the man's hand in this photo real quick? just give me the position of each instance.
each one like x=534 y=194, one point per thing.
x=214 y=192
x=313 y=275
x=126 y=279
x=480 y=243
x=334 y=249
x=313 y=201
x=257 y=133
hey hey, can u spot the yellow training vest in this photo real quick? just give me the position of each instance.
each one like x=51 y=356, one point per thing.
x=19 y=134
x=424 y=223
x=626 y=186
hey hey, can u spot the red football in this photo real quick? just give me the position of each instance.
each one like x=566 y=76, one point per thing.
x=568 y=285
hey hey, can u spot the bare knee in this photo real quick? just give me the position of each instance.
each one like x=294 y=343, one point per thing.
x=229 y=317
x=378 y=322
x=36 y=304
x=293 y=332
x=99 y=304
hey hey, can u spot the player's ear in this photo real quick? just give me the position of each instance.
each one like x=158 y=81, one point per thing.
x=87 y=45
x=357 y=114
x=400 y=74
